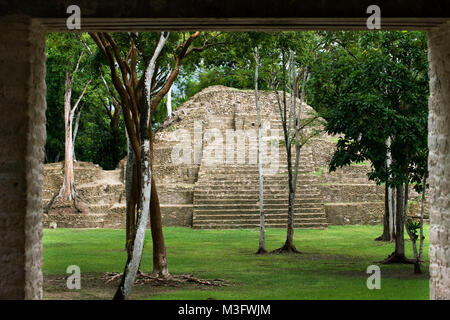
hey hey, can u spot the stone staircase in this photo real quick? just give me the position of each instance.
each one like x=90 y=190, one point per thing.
x=227 y=196
x=101 y=193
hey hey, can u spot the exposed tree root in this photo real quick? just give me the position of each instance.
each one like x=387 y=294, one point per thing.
x=397 y=258
x=287 y=248
x=261 y=251
x=383 y=238
x=417 y=269
x=68 y=203
x=173 y=280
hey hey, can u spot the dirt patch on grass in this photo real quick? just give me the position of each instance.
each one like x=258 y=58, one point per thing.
x=95 y=286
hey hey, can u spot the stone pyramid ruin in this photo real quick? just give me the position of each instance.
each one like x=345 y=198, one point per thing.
x=206 y=181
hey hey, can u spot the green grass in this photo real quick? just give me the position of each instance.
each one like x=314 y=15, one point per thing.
x=333 y=264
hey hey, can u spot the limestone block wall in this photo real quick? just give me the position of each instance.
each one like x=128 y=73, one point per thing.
x=22 y=137
x=439 y=161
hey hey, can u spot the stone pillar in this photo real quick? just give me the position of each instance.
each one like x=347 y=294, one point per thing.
x=22 y=139
x=439 y=161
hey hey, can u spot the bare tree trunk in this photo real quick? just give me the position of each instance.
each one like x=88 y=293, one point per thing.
x=75 y=131
x=422 y=209
x=134 y=259
x=288 y=124
x=129 y=195
x=391 y=197
x=398 y=256
x=262 y=238
x=169 y=103
x=385 y=236
x=399 y=230
x=160 y=266
x=68 y=184
x=67 y=191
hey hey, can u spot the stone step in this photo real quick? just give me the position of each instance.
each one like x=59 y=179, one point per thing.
x=246 y=206
x=253 y=188
x=278 y=193
x=255 y=217
x=298 y=201
x=230 y=176
x=84 y=220
x=249 y=174
x=320 y=210
x=106 y=198
x=237 y=225
x=98 y=208
x=87 y=190
x=240 y=181
x=219 y=167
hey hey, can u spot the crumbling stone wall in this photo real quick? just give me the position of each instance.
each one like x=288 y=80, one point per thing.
x=22 y=137
x=439 y=161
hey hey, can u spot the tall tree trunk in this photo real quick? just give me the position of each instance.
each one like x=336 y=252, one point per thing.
x=399 y=227
x=135 y=256
x=291 y=121
x=67 y=191
x=412 y=235
x=398 y=256
x=130 y=191
x=421 y=237
x=392 y=213
x=160 y=266
x=68 y=183
x=75 y=131
x=262 y=231
x=385 y=236
x=169 y=103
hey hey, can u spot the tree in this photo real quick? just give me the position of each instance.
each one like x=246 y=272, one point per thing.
x=99 y=139
x=371 y=87
x=67 y=191
x=262 y=239
x=297 y=130
x=129 y=53
x=134 y=258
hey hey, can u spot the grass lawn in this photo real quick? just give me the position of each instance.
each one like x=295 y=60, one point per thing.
x=332 y=265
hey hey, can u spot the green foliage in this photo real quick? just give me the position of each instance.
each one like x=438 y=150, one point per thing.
x=96 y=141
x=413 y=227
x=370 y=86
x=232 y=63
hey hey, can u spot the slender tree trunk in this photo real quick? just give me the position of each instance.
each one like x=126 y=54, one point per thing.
x=75 y=131
x=399 y=228
x=135 y=256
x=392 y=212
x=385 y=236
x=130 y=191
x=398 y=256
x=262 y=238
x=160 y=266
x=67 y=191
x=68 y=184
x=292 y=121
x=413 y=236
x=169 y=103
x=421 y=237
